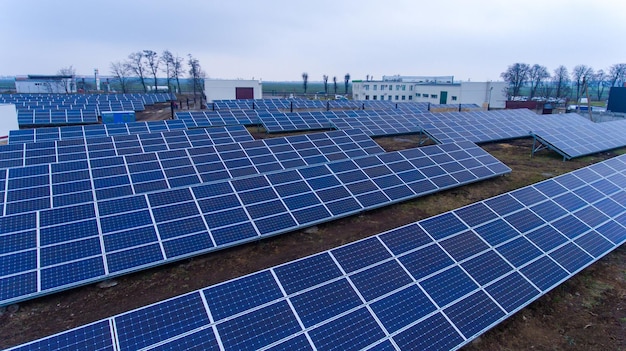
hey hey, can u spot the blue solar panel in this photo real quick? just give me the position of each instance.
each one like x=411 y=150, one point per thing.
x=455 y=289
x=103 y=130
x=566 y=140
x=118 y=176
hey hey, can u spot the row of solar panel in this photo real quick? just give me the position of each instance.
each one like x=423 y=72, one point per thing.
x=57 y=117
x=78 y=181
x=483 y=129
x=88 y=131
x=282 y=104
x=579 y=140
x=147 y=99
x=434 y=284
x=454 y=126
x=123 y=105
x=54 y=249
x=44 y=152
x=267 y=117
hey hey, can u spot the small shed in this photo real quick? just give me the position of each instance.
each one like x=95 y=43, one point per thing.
x=236 y=89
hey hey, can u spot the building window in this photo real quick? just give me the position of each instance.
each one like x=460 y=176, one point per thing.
x=374 y=97
x=418 y=94
x=397 y=86
x=375 y=88
x=434 y=96
x=367 y=97
x=389 y=97
x=410 y=97
x=454 y=98
x=410 y=87
x=383 y=86
x=403 y=87
x=390 y=87
x=397 y=97
x=403 y=97
x=366 y=87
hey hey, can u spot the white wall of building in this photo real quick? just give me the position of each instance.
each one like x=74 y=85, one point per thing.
x=36 y=86
x=223 y=89
x=479 y=93
x=8 y=120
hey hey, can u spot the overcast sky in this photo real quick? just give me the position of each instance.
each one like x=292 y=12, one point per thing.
x=277 y=40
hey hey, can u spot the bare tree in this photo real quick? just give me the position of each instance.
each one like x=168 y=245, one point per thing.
x=547 y=89
x=168 y=66
x=617 y=72
x=536 y=75
x=67 y=81
x=599 y=81
x=325 y=77
x=177 y=70
x=152 y=58
x=581 y=73
x=121 y=74
x=197 y=76
x=560 y=81
x=335 y=84
x=346 y=81
x=516 y=76
x=137 y=66
x=305 y=81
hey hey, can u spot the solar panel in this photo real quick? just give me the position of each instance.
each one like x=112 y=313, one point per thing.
x=378 y=125
x=27 y=154
x=414 y=287
x=287 y=122
x=95 y=240
x=81 y=132
x=573 y=141
x=218 y=118
x=487 y=126
x=42 y=117
x=108 y=176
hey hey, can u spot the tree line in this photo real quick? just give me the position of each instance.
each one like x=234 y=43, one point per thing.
x=561 y=84
x=346 y=82
x=145 y=65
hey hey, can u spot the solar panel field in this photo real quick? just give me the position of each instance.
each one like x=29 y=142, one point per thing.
x=586 y=312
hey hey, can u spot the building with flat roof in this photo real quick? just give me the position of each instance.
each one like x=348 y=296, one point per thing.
x=433 y=89
x=52 y=84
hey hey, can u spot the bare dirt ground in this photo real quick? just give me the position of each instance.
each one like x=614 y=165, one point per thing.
x=588 y=312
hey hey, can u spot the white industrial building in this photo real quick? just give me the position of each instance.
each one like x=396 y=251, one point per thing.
x=235 y=89
x=436 y=90
x=52 y=84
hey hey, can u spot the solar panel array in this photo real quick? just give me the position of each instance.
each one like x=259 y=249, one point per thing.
x=88 y=131
x=486 y=126
x=70 y=109
x=379 y=125
x=53 y=249
x=288 y=122
x=44 y=152
x=572 y=141
x=56 y=117
x=288 y=104
x=434 y=284
x=277 y=121
x=77 y=181
x=218 y=118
